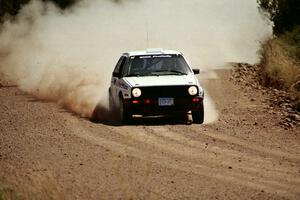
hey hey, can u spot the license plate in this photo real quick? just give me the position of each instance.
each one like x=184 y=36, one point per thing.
x=165 y=101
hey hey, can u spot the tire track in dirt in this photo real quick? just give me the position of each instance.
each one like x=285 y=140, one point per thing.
x=173 y=134
x=252 y=146
x=228 y=159
x=184 y=158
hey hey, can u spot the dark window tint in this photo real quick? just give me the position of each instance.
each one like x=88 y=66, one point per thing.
x=119 y=64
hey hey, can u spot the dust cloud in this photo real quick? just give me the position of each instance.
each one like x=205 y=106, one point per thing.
x=68 y=56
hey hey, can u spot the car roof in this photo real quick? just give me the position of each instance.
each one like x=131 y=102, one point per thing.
x=151 y=52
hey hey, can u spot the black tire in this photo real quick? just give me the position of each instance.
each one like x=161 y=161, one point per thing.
x=198 y=115
x=124 y=115
x=95 y=115
x=112 y=106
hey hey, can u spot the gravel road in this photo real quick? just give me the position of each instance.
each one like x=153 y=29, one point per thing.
x=47 y=152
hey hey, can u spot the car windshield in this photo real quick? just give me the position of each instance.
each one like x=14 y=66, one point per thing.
x=156 y=65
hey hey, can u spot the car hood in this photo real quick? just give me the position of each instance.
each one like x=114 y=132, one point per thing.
x=166 y=80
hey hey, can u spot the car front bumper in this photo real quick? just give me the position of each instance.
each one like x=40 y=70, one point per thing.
x=150 y=106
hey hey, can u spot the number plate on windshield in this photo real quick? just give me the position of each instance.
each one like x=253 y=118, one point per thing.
x=165 y=101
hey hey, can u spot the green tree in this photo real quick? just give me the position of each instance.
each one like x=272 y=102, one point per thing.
x=12 y=7
x=285 y=14
x=63 y=3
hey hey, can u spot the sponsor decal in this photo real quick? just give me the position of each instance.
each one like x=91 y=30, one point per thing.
x=163 y=56
x=155 y=56
x=145 y=57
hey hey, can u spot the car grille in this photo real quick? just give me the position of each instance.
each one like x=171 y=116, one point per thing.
x=165 y=91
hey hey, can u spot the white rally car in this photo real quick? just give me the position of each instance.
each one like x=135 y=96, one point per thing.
x=155 y=82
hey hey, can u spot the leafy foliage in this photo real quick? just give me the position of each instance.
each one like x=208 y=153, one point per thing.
x=285 y=14
x=63 y=3
x=12 y=7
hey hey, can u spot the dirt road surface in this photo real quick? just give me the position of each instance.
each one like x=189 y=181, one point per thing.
x=49 y=153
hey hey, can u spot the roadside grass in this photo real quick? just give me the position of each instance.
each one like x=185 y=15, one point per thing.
x=280 y=64
x=8 y=194
x=291 y=43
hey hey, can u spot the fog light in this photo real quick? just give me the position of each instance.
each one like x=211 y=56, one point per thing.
x=135 y=102
x=196 y=100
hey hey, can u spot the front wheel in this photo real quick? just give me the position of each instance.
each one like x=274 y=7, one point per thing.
x=198 y=115
x=112 y=106
x=124 y=114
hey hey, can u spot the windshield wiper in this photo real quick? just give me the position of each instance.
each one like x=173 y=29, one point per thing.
x=168 y=72
x=136 y=74
x=178 y=72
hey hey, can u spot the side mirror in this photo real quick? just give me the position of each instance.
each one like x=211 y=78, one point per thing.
x=116 y=74
x=196 y=71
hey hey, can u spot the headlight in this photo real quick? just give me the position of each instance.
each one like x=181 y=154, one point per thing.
x=136 y=92
x=193 y=90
